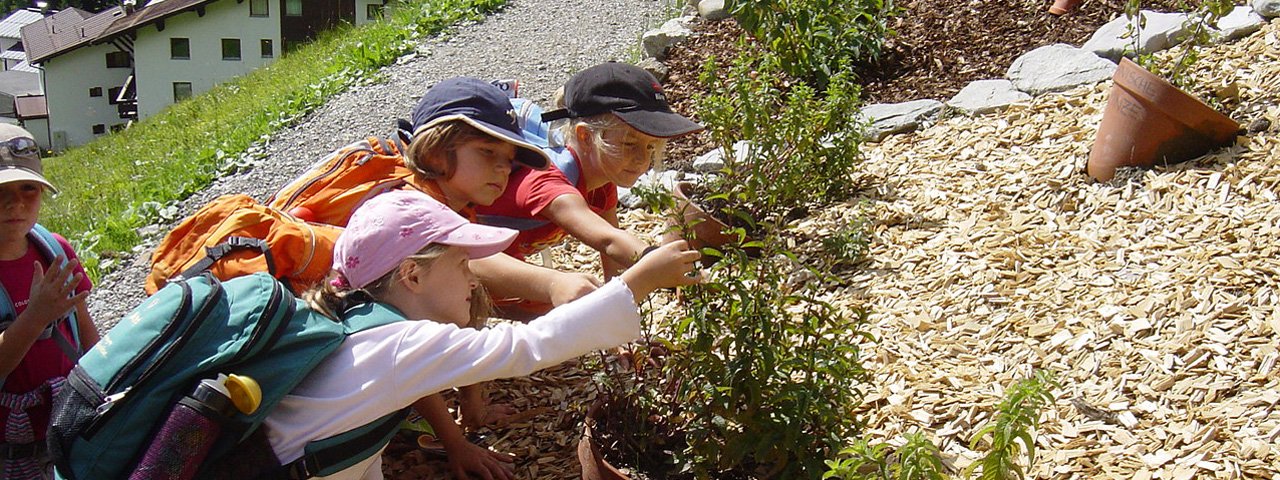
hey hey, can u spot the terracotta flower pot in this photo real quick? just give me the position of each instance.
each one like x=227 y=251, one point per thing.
x=1061 y=7
x=706 y=230
x=594 y=466
x=1149 y=121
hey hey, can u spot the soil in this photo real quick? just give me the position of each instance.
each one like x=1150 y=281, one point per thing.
x=940 y=46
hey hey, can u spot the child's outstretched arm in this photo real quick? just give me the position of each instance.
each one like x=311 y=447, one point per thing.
x=572 y=213
x=51 y=298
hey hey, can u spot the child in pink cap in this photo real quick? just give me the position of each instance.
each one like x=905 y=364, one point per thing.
x=409 y=252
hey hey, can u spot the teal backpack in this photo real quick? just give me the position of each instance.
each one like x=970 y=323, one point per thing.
x=50 y=249
x=195 y=329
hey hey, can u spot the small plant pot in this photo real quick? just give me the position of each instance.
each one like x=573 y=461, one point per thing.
x=704 y=229
x=1148 y=121
x=594 y=466
x=1062 y=7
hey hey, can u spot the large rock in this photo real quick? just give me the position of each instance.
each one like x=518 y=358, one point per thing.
x=1162 y=30
x=656 y=42
x=713 y=161
x=1267 y=8
x=1240 y=23
x=888 y=118
x=984 y=96
x=712 y=10
x=1057 y=67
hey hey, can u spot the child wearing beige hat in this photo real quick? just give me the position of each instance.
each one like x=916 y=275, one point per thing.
x=44 y=320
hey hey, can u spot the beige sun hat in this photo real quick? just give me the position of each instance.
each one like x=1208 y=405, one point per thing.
x=20 y=157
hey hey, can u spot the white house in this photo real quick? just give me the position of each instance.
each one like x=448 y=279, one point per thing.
x=101 y=71
x=12 y=55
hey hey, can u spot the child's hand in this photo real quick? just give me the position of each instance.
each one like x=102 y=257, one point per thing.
x=473 y=461
x=51 y=293
x=569 y=286
x=671 y=265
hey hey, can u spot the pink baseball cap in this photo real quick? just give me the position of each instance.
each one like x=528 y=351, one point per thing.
x=394 y=225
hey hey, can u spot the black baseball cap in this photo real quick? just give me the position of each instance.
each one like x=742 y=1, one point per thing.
x=481 y=105
x=627 y=91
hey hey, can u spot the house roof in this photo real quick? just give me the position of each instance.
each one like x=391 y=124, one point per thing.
x=32 y=106
x=11 y=26
x=65 y=31
x=17 y=83
x=155 y=11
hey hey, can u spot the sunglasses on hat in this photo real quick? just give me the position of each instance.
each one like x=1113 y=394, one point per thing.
x=21 y=147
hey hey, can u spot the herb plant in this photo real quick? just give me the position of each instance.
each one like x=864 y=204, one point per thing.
x=1201 y=19
x=1011 y=432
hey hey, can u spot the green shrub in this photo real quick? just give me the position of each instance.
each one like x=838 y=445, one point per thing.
x=803 y=143
x=1012 y=430
x=767 y=375
x=817 y=39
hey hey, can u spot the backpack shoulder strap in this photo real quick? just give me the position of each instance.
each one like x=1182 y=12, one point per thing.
x=337 y=453
x=51 y=248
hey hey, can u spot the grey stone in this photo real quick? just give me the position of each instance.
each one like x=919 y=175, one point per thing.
x=889 y=118
x=1240 y=23
x=657 y=69
x=656 y=42
x=985 y=96
x=1057 y=67
x=1267 y=8
x=712 y=10
x=1162 y=30
x=713 y=161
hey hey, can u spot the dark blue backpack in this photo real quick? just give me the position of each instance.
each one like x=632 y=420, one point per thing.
x=126 y=385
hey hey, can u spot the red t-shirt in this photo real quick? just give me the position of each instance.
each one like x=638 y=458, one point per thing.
x=530 y=191
x=45 y=359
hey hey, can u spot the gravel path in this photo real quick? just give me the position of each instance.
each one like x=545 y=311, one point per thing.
x=520 y=42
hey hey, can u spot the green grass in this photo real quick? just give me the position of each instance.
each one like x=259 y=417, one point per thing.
x=112 y=187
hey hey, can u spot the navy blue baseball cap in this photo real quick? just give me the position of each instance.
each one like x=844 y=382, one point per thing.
x=481 y=105
x=627 y=91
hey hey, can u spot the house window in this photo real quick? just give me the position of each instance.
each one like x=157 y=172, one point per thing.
x=99 y=129
x=293 y=8
x=372 y=11
x=258 y=8
x=118 y=60
x=180 y=48
x=181 y=91
x=95 y=91
x=113 y=94
x=231 y=49
x=268 y=49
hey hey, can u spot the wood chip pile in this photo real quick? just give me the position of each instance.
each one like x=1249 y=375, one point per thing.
x=1154 y=296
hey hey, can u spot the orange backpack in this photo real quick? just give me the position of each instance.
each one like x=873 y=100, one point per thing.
x=234 y=235
x=332 y=189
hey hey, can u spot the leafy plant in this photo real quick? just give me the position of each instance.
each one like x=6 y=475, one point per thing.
x=1201 y=19
x=917 y=459
x=766 y=377
x=1011 y=430
x=788 y=146
x=848 y=244
x=818 y=39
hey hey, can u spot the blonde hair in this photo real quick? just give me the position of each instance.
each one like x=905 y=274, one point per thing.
x=598 y=125
x=333 y=301
x=440 y=142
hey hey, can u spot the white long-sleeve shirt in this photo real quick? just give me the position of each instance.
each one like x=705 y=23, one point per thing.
x=387 y=368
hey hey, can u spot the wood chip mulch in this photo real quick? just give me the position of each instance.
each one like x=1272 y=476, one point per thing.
x=1155 y=296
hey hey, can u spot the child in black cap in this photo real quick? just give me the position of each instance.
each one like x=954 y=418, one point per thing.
x=618 y=123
